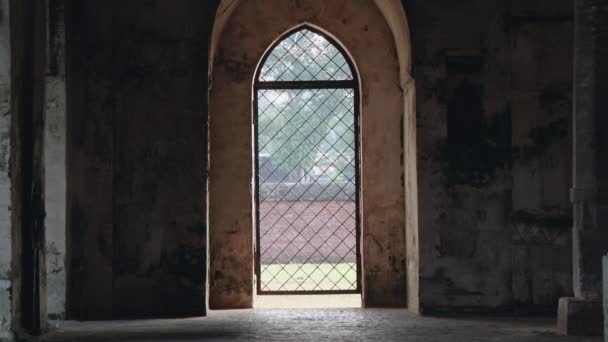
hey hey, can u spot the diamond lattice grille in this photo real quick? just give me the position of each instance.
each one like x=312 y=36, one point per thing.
x=305 y=56
x=306 y=167
x=307 y=190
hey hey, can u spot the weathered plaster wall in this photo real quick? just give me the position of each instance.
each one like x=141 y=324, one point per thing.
x=251 y=29
x=541 y=90
x=55 y=139
x=136 y=140
x=493 y=101
x=5 y=187
x=55 y=159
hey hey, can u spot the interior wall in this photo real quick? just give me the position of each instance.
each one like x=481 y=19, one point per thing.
x=493 y=102
x=89 y=160
x=5 y=186
x=249 y=31
x=137 y=83
x=504 y=78
x=541 y=90
x=28 y=53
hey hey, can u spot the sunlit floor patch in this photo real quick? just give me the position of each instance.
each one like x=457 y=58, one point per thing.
x=309 y=277
x=307 y=301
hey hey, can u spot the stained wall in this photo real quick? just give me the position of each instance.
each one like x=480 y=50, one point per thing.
x=5 y=186
x=136 y=158
x=493 y=81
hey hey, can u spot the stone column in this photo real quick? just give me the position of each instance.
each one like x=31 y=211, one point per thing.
x=28 y=34
x=582 y=315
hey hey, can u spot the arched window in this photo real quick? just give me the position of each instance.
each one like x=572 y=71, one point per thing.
x=307 y=167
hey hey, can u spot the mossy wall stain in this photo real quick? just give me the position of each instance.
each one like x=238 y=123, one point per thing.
x=494 y=143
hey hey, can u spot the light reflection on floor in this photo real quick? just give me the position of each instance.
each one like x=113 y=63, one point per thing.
x=307 y=301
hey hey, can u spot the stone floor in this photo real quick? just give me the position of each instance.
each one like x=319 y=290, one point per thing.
x=315 y=325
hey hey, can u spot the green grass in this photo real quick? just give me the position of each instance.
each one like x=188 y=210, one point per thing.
x=308 y=277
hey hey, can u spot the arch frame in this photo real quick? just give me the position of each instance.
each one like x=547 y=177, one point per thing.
x=393 y=13
x=315 y=29
x=394 y=18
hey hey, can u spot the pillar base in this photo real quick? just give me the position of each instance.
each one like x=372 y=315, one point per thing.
x=579 y=317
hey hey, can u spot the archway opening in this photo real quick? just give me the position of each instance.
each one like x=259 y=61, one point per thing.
x=306 y=157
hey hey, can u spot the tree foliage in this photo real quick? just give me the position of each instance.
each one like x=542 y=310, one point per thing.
x=306 y=134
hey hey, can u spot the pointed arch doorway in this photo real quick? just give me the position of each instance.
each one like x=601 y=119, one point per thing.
x=375 y=35
x=306 y=100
